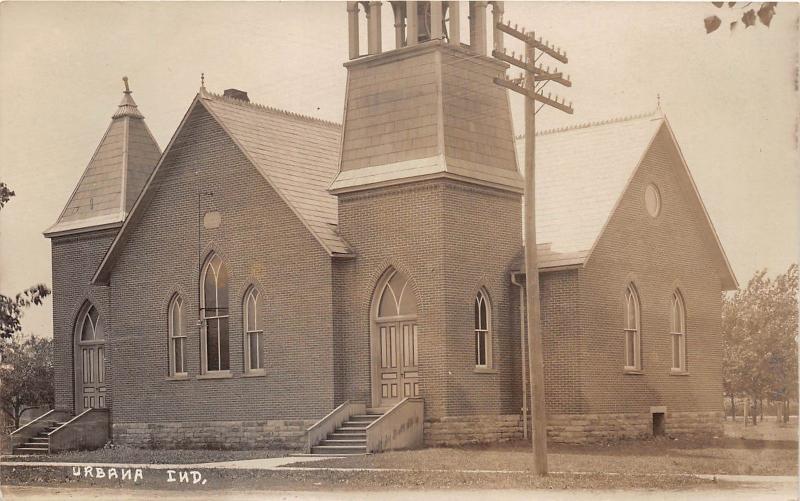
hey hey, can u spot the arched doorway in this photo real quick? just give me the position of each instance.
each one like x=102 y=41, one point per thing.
x=395 y=336
x=90 y=373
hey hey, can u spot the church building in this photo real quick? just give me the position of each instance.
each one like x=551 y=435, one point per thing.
x=275 y=280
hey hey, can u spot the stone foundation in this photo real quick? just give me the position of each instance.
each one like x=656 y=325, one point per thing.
x=445 y=431
x=460 y=430
x=234 y=435
x=582 y=428
x=567 y=428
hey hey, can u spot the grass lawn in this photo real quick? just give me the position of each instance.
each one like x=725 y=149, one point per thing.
x=132 y=455
x=767 y=449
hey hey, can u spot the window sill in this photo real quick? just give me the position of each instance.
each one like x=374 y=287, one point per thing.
x=215 y=375
x=178 y=377
x=633 y=372
x=255 y=373
x=485 y=370
x=677 y=372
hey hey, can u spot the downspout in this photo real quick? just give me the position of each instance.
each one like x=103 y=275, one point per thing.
x=524 y=353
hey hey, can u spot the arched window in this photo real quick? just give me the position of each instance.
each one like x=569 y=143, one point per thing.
x=633 y=359
x=677 y=329
x=483 y=333
x=92 y=326
x=215 y=316
x=177 y=338
x=397 y=298
x=253 y=331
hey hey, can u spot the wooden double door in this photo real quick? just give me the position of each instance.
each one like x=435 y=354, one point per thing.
x=399 y=361
x=93 y=375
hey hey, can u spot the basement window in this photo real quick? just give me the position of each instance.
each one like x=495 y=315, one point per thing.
x=659 y=424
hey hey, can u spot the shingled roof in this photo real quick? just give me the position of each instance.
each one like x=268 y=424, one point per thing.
x=581 y=173
x=115 y=175
x=298 y=155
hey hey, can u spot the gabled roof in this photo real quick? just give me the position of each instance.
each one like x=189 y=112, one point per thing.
x=582 y=173
x=296 y=154
x=115 y=175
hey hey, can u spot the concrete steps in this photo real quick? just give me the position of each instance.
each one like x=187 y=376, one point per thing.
x=40 y=444
x=348 y=439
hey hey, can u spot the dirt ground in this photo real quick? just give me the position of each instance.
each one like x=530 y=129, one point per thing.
x=767 y=449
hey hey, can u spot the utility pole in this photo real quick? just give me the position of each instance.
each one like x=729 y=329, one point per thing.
x=526 y=85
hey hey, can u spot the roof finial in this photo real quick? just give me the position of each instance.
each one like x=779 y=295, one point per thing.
x=125 y=81
x=658 y=101
x=202 y=80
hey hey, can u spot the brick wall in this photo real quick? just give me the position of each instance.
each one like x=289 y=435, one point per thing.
x=657 y=255
x=563 y=341
x=261 y=242
x=399 y=227
x=481 y=239
x=443 y=237
x=75 y=259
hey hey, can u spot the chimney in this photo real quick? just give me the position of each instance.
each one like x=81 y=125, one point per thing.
x=236 y=94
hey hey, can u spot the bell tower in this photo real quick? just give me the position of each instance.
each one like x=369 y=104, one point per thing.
x=428 y=187
x=428 y=107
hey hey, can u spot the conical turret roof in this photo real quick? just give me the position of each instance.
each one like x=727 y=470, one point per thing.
x=115 y=176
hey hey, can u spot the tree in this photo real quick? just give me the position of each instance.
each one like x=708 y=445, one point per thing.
x=27 y=374
x=759 y=329
x=11 y=309
x=764 y=14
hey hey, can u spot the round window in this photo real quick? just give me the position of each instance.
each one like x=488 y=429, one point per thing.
x=652 y=200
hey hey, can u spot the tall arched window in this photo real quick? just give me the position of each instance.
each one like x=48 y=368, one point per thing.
x=633 y=359
x=253 y=332
x=483 y=333
x=677 y=331
x=215 y=316
x=177 y=338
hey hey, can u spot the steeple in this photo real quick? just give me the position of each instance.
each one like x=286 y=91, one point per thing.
x=115 y=175
x=127 y=107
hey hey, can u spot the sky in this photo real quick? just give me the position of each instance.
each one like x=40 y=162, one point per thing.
x=731 y=98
